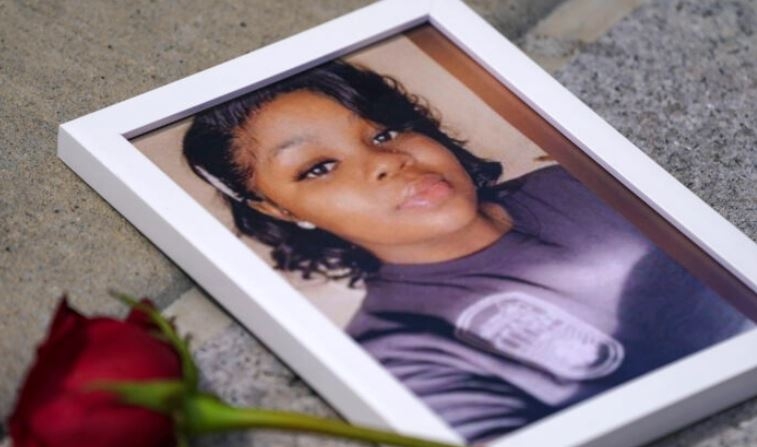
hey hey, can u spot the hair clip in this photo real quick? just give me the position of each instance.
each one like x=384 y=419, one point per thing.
x=218 y=184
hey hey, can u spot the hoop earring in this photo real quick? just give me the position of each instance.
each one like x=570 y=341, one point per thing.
x=305 y=225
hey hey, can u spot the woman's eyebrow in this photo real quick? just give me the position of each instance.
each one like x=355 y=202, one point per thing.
x=290 y=143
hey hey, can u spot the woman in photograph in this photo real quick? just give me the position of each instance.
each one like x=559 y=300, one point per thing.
x=497 y=303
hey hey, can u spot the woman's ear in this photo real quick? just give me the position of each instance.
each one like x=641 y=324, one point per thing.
x=270 y=209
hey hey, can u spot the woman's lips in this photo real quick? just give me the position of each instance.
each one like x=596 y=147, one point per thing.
x=427 y=192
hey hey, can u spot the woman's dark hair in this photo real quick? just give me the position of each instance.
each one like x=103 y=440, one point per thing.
x=209 y=147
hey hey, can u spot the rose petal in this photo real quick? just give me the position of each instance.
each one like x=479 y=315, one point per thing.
x=124 y=352
x=96 y=419
x=57 y=405
x=65 y=320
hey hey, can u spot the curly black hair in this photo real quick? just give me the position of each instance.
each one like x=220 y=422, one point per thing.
x=209 y=147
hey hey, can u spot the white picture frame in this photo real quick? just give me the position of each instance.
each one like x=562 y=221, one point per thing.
x=97 y=148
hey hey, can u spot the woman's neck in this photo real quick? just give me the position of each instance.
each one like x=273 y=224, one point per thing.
x=490 y=224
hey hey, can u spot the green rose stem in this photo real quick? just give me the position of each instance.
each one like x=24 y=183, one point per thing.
x=206 y=414
x=198 y=413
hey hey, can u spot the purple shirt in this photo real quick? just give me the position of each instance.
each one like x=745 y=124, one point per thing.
x=570 y=302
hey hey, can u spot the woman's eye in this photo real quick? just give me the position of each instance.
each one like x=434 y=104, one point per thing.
x=317 y=170
x=384 y=136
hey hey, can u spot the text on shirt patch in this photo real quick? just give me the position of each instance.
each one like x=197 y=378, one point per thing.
x=539 y=334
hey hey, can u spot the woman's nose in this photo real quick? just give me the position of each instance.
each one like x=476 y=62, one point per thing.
x=385 y=163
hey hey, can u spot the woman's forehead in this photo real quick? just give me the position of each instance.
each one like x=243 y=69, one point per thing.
x=292 y=118
x=297 y=105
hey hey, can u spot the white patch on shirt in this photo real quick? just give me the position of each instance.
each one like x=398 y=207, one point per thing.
x=540 y=335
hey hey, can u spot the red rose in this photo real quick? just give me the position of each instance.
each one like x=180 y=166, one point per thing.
x=57 y=406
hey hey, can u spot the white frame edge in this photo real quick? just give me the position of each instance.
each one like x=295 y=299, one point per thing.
x=95 y=146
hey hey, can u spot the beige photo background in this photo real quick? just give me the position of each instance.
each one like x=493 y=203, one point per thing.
x=464 y=115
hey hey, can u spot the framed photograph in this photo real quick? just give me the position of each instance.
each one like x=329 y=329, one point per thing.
x=436 y=235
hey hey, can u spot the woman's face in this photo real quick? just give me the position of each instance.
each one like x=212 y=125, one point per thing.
x=392 y=193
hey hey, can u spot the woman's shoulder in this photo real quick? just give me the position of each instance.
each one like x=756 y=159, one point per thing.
x=552 y=186
x=550 y=199
x=551 y=178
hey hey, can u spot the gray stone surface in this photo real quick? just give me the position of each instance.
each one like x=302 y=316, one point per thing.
x=226 y=362
x=514 y=17
x=572 y=25
x=679 y=78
